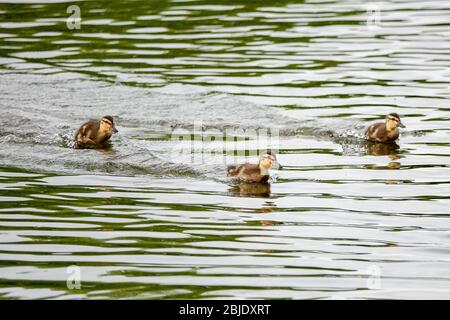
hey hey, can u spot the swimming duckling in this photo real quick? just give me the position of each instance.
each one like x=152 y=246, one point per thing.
x=254 y=172
x=96 y=132
x=385 y=131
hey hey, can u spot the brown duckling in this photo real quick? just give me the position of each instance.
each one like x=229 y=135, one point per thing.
x=385 y=131
x=96 y=132
x=250 y=172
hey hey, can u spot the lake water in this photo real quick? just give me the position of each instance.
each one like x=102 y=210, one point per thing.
x=194 y=86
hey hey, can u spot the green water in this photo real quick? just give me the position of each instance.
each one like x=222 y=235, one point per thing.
x=141 y=220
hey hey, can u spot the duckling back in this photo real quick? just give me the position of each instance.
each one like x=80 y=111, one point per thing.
x=378 y=133
x=232 y=170
x=248 y=172
x=89 y=133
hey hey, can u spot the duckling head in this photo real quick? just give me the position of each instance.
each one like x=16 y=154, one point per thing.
x=393 y=122
x=107 y=125
x=267 y=159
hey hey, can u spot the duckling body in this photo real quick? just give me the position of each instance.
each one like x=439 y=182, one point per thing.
x=95 y=132
x=387 y=131
x=378 y=133
x=253 y=172
x=249 y=172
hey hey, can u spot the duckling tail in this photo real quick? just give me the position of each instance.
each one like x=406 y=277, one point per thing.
x=231 y=170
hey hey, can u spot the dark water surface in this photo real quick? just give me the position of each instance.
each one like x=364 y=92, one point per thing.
x=341 y=219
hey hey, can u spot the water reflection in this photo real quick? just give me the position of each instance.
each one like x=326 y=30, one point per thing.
x=106 y=147
x=382 y=149
x=244 y=189
x=391 y=150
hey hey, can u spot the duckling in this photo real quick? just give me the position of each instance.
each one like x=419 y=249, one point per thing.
x=385 y=131
x=96 y=132
x=250 y=172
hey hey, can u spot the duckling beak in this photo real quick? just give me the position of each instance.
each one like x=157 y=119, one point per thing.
x=401 y=125
x=115 y=129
